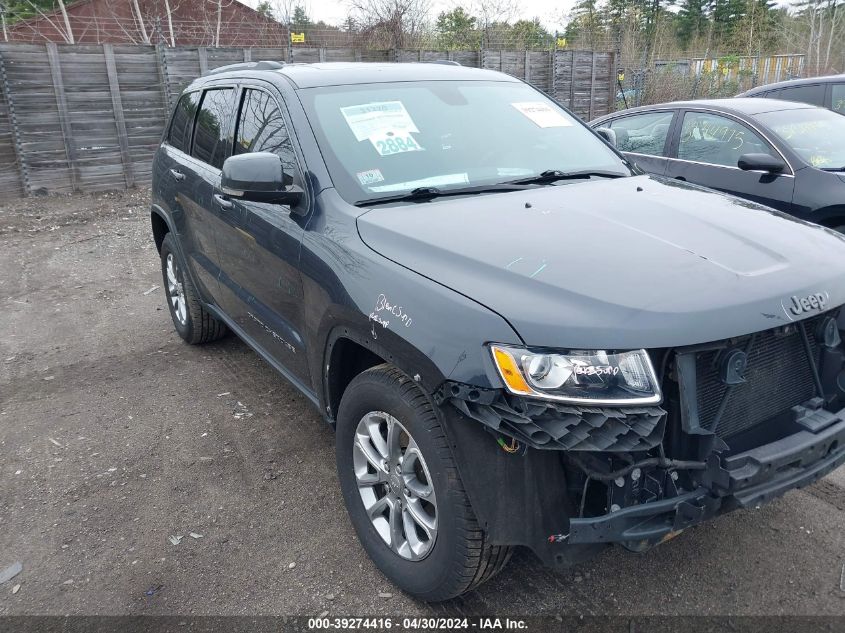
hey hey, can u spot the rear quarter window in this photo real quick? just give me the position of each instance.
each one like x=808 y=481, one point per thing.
x=179 y=135
x=837 y=103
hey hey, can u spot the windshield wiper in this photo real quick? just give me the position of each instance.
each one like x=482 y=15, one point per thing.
x=553 y=175
x=833 y=168
x=422 y=194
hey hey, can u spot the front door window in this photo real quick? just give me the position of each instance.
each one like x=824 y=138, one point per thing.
x=717 y=140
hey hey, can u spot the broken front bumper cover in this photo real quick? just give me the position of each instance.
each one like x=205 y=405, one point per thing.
x=744 y=480
x=555 y=425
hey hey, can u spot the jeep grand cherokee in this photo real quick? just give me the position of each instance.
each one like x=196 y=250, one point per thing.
x=519 y=339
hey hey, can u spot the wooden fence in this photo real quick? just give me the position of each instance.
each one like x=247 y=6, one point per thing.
x=89 y=118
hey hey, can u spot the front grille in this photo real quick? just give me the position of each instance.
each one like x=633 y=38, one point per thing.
x=778 y=377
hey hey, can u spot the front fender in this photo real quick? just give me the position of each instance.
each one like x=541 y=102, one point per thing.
x=413 y=322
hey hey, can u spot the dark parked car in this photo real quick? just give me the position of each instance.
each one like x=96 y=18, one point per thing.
x=785 y=155
x=825 y=92
x=519 y=338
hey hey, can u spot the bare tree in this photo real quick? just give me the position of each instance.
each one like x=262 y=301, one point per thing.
x=136 y=12
x=491 y=13
x=399 y=19
x=833 y=31
x=68 y=30
x=170 y=22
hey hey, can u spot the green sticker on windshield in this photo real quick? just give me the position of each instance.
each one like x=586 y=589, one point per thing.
x=389 y=143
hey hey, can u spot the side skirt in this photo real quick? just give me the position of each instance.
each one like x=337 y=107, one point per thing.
x=246 y=338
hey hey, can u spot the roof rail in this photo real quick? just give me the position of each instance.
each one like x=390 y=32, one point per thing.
x=261 y=65
x=443 y=62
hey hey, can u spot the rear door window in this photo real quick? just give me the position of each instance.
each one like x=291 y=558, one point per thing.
x=717 y=140
x=643 y=133
x=837 y=102
x=211 y=137
x=814 y=94
x=179 y=135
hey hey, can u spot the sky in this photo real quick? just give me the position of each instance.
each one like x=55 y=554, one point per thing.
x=552 y=13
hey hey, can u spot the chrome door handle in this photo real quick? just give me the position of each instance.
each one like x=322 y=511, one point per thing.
x=177 y=175
x=223 y=201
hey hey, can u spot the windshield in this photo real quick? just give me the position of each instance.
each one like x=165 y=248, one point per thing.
x=815 y=134
x=389 y=139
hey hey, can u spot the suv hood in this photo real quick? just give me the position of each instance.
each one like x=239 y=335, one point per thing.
x=614 y=264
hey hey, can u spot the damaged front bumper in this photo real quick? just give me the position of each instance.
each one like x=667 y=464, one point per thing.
x=743 y=480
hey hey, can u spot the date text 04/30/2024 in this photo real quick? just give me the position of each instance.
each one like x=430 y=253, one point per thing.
x=413 y=624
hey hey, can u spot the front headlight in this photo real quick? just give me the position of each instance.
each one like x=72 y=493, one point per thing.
x=582 y=377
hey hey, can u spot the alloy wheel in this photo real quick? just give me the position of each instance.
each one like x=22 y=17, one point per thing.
x=176 y=290
x=395 y=485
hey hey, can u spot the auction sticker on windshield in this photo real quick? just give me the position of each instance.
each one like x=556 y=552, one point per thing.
x=542 y=114
x=394 y=142
x=373 y=119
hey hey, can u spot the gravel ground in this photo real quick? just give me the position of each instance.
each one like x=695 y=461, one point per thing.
x=115 y=436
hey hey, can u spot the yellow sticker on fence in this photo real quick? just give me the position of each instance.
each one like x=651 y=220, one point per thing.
x=297 y=38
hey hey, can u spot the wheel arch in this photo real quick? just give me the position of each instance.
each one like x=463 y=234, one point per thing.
x=831 y=217
x=351 y=349
x=160 y=225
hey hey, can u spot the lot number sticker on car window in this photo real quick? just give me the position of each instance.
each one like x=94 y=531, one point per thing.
x=542 y=114
x=372 y=119
x=394 y=142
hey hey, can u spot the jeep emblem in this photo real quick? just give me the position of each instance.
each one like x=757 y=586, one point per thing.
x=809 y=303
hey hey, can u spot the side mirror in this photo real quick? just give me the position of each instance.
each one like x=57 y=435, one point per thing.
x=761 y=162
x=607 y=134
x=258 y=177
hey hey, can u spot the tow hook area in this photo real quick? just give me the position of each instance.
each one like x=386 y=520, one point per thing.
x=743 y=480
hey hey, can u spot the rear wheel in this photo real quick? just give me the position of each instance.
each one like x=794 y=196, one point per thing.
x=192 y=321
x=403 y=492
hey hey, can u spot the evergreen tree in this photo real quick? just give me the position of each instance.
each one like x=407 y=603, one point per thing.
x=300 y=18
x=527 y=34
x=265 y=9
x=22 y=9
x=692 y=20
x=456 y=29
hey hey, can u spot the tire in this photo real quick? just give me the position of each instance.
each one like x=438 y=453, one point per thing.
x=192 y=321
x=459 y=556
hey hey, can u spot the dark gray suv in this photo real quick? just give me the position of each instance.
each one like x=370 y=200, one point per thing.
x=519 y=338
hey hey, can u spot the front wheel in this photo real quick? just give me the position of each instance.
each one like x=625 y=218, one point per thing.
x=403 y=492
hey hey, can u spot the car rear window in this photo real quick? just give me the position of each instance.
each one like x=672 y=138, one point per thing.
x=183 y=121
x=211 y=135
x=814 y=94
